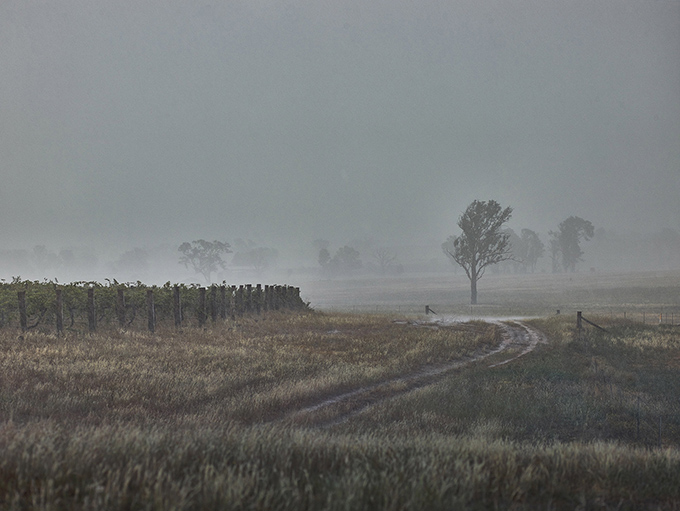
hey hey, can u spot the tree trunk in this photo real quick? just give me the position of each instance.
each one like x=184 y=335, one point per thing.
x=473 y=290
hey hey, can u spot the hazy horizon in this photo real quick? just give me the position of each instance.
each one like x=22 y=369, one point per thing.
x=130 y=124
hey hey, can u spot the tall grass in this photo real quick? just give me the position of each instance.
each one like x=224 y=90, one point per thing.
x=616 y=386
x=179 y=420
x=245 y=371
x=49 y=466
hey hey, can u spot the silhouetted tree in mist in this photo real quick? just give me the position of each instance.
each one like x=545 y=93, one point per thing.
x=204 y=257
x=385 y=259
x=135 y=260
x=258 y=258
x=45 y=260
x=513 y=263
x=568 y=240
x=346 y=260
x=554 y=243
x=324 y=257
x=530 y=249
x=482 y=242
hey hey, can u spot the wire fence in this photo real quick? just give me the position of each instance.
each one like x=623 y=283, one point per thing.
x=651 y=315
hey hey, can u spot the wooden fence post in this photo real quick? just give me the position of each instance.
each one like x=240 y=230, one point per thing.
x=213 y=303
x=176 y=306
x=91 y=316
x=120 y=307
x=239 y=300
x=60 y=312
x=249 y=298
x=23 y=318
x=223 y=302
x=201 y=306
x=579 y=321
x=150 y=310
x=258 y=299
x=298 y=300
x=231 y=302
x=289 y=297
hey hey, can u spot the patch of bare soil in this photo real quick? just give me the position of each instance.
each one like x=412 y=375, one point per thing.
x=517 y=339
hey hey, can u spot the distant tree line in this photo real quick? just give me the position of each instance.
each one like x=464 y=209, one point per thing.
x=346 y=260
x=45 y=261
x=208 y=257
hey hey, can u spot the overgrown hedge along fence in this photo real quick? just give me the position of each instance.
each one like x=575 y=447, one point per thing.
x=72 y=306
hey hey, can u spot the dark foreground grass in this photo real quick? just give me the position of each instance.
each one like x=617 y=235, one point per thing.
x=556 y=429
x=47 y=466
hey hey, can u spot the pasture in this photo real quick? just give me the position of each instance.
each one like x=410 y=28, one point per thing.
x=538 y=294
x=330 y=409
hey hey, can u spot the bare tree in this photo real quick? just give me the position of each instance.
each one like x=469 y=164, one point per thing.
x=482 y=242
x=385 y=259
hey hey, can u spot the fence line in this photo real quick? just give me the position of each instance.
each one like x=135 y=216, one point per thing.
x=122 y=303
x=580 y=319
x=649 y=317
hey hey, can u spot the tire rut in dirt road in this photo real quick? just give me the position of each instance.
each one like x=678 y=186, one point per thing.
x=523 y=337
x=518 y=339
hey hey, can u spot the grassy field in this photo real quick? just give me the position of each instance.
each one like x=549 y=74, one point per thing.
x=651 y=293
x=199 y=419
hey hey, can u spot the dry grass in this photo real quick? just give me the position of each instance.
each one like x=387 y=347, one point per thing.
x=245 y=371
x=178 y=420
x=46 y=466
x=606 y=387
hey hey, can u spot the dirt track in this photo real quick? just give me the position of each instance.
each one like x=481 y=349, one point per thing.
x=518 y=339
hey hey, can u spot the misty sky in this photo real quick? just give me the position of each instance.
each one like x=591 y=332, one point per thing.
x=125 y=123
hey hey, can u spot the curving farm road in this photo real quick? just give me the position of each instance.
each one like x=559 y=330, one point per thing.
x=517 y=339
